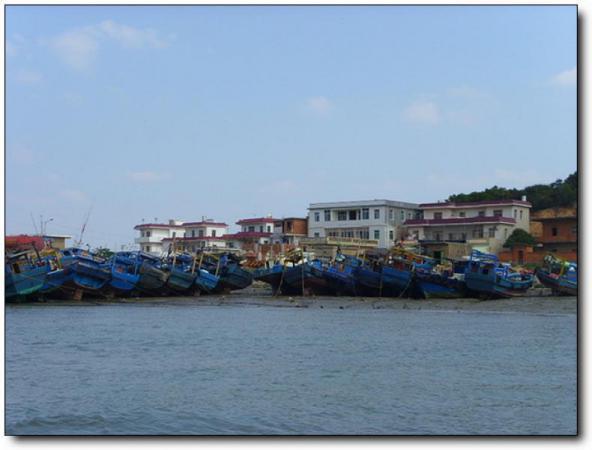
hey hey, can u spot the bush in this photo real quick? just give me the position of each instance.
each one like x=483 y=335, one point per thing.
x=520 y=237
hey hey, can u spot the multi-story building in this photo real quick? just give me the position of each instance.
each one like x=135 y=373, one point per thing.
x=290 y=230
x=156 y=238
x=253 y=231
x=559 y=231
x=483 y=225
x=379 y=220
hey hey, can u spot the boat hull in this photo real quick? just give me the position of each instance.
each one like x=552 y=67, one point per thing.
x=151 y=280
x=559 y=285
x=21 y=286
x=180 y=282
x=430 y=286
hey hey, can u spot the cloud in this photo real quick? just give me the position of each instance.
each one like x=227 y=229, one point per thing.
x=566 y=78
x=25 y=76
x=78 y=48
x=73 y=195
x=319 y=105
x=147 y=176
x=423 y=111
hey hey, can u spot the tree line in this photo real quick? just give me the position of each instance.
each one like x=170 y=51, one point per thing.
x=555 y=194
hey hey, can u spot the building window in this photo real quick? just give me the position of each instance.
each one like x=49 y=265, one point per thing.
x=147 y=248
x=505 y=232
x=402 y=215
x=409 y=214
x=497 y=213
x=147 y=233
x=213 y=233
x=269 y=228
x=451 y=236
x=437 y=237
x=377 y=213
x=463 y=236
x=554 y=231
x=174 y=234
x=461 y=214
x=390 y=214
x=341 y=215
x=515 y=214
x=317 y=216
x=376 y=233
x=391 y=233
x=327 y=215
x=481 y=213
x=316 y=235
x=365 y=213
x=521 y=214
x=252 y=228
x=192 y=233
x=200 y=233
x=491 y=232
x=438 y=215
x=352 y=214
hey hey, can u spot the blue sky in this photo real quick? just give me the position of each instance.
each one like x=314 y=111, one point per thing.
x=234 y=112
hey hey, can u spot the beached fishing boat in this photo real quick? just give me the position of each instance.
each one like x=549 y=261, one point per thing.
x=487 y=278
x=89 y=274
x=24 y=276
x=124 y=274
x=305 y=278
x=430 y=284
x=340 y=275
x=206 y=282
x=559 y=275
x=270 y=275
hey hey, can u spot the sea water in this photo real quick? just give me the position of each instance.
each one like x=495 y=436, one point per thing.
x=241 y=370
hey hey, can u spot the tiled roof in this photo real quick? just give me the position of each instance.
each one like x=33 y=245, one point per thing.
x=247 y=235
x=196 y=238
x=461 y=220
x=156 y=225
x=257 y=220
x=474 y=204
x=204 y=223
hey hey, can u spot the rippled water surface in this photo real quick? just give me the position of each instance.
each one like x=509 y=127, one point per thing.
x=188 y=369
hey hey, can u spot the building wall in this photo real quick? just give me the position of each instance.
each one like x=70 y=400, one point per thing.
x=519 y=213
x=560 y=230
x=386 y=221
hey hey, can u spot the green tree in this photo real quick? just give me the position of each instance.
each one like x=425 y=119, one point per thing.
x=519 y=236
x=103 y=252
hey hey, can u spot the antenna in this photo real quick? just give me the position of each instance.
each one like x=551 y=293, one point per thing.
x=34 y=225
x=83 y=227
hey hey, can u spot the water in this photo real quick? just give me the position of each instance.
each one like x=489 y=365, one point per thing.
x=189 y=369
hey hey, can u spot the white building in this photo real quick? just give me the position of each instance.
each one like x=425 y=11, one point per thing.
x=156 y=238
x=380 y=220
x=253 y=231
x=484 y=225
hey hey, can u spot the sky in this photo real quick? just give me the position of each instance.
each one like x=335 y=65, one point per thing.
x=132 y=114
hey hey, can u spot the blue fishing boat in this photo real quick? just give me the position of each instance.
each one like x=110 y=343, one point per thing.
x=181 y=277
x=487 y=278
x=305 y=278
x=151 y=278
x=340 y=275
x=206 y=282
x=559 y=275
x=270 y=275
x=234 y=277
x=89 y=274
x=430 y=284
x=124 y=274
x=24 y=276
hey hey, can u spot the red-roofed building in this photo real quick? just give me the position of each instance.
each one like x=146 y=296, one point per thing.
x=156 y=237
x=483 y=225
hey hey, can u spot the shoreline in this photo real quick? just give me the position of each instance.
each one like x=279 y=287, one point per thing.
x=258 y=297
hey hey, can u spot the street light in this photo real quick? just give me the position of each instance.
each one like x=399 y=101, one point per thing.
x=43 y=226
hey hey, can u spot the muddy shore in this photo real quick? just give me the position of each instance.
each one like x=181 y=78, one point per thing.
x=261 y=296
